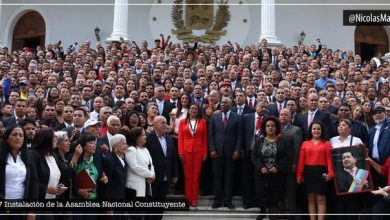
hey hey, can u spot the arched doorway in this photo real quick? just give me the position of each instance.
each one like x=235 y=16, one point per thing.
x=29 y=31
x=369 y=40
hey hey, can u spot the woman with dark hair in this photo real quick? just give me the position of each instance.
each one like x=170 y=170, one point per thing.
x=140 y=171
x=367 y=109
x=93 y=165
x=167 y=83
x=315 y=169
x=130 y=86
x=269 y=157
x=18 y=176
x=53 y=95
x=143 y=120
x=179 y=113
x=358 y=114
x=40 y=104
x=192 y=144
x=48 y=167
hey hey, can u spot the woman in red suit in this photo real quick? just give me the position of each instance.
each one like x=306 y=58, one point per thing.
x=192 y=141
x=315 y=169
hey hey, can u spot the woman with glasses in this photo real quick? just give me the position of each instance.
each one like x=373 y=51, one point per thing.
x=92 y=164
x=192 y=143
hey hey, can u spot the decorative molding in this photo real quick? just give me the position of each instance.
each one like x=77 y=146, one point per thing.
x=217 y=30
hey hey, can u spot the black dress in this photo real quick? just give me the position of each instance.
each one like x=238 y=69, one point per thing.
x=270 y=188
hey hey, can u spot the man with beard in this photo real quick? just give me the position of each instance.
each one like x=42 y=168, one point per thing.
x=30 y=128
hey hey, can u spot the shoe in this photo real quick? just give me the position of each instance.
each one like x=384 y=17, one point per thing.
x=229 y=206
x=216 y=205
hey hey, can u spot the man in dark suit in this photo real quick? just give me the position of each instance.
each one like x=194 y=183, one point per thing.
x=103 y=145
x=225 y=140
x=264 y=50
x=19 y=114
x=280 y=101
x=164 y=156
x=314 y=114
x=241 y=107
x=347 y=176
x=250 y=124
x=294 y=137
x=164 y=106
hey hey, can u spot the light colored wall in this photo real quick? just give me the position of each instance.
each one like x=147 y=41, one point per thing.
x=77 y=22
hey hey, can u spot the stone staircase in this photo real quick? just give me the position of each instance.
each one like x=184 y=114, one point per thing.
x=205 y=211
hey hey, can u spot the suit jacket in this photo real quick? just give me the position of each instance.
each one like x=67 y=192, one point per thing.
x=8 y=122
x=248 y=136
x=225 y=140
x=168 y=106
x=99 y=142
x=246 y=109
x=345 y=180
x=164 y=166
x=138 y=161
x=192 y=143
x=281 y=155
x=321 y=116
x=43 y=171
x=294 y=137
x=31 y=183
x=117 y=176
x=383 y=141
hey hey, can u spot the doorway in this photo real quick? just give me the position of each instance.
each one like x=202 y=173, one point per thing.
x=370 y=40
x=29 y=31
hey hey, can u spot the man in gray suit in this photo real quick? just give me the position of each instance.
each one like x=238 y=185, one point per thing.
x=225 y=139
x=294 y=136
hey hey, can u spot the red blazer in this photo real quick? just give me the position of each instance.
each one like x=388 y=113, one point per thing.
x=189 y=143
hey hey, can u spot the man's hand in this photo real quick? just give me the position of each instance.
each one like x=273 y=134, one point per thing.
x=236 y=155
x=78 y=151
x=213 y=154
x=105 y=148
x=263 y=170
x=52 y=190
x=273 y=170
x=174 y=180
x=380 y=191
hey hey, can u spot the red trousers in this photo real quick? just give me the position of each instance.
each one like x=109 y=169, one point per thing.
x=192 y=166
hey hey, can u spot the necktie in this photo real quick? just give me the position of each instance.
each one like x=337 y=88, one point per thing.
x=311 y=117
x=258 y=123
x=239 y=110
x=160 y=108
x=250 y=103
x=225 y=120
x=280 y=107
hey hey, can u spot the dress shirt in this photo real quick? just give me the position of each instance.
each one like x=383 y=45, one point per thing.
x=163 y=144
x=160 y=104
x=121 y=159
x=240 y=109
x=227 y=115
x=55 y=175
x=15 y=177
x=336 y=142
x=375 y=152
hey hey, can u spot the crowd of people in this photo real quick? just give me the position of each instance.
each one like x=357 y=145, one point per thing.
x=225 y=120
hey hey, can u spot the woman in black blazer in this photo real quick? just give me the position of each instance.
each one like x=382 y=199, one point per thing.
x=18 y=177
x=115 y=168
x=48 y=166
x=269 y=157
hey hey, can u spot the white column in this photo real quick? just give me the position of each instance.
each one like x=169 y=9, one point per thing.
x=268 y=23
x=1 y=26
x=119 y=28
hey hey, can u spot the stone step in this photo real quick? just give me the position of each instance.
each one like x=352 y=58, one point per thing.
x=208 y=200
